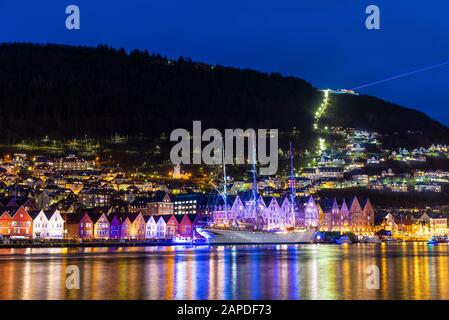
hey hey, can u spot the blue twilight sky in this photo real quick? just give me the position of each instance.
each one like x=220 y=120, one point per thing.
x=322 y=41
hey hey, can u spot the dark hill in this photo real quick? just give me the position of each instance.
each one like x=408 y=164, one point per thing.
x=66 y=91
x=403 y=126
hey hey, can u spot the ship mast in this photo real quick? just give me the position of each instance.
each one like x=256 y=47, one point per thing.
x=292 y=186
x=254 y=175
x=225 y=188
x=256 y=207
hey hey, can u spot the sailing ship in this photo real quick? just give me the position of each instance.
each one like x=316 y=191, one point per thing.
x=251 y=222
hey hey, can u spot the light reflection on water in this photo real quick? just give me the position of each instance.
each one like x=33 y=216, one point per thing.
x=407 y=271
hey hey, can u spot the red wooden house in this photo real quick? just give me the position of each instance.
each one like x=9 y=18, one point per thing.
x=187 y=225
x=171 y=228
x=21 y=224
x=79 y=225
x=5 y=223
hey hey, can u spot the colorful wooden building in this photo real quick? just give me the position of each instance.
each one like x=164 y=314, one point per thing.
x=79 y=225
x=21 y=224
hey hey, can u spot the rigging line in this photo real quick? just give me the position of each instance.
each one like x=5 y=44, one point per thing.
x=402 y=75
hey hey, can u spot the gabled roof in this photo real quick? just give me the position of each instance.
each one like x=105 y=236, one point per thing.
x=95 y=216
x=193 y=217
x=327 y=204
x=179 y=217
x=122 y=216
x=133 y=216
x=50 y=213
x=74 y=218
x=13 y=211
x=112 y=216
x=268 y=200
x=3 y=212
x=354 y=198
x=363 y=202
x=33 y=214
x=343 y=201
x=157 y=217
x=166 y=217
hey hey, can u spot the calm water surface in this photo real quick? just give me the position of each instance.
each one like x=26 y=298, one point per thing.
x=407 y=271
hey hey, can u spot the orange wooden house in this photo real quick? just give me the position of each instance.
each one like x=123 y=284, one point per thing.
x=137 y=227
x=5 y=223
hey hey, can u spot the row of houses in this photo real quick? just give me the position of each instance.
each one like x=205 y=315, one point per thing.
x=277 y=213
x=23 y=224
x=418 y=225
x=134 y=226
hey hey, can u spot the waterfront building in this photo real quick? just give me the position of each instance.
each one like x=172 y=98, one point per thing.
x=161 y=227
x=273 y=215
x=311 y=212
x=138 y=226
x=332 y=218
x=55 y=226
x=21 y=224
x=355 y=215
x=187 y=226
x=150 y=227
x=402 y=225
x=171 y=226
x=344 y=213
x=101 y=225
x=220 y=209
x=79 y=225
x=358 y=218
x=287 y=208
x=115 y=226
x=5 y=223
x=437 y=223
x=47 y=224
x=125 y=230
x=368 y=215
x=40 y=224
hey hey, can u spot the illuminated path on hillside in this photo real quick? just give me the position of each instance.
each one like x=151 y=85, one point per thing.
x=318 y=115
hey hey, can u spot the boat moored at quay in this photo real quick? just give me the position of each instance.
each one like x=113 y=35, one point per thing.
x=248 y=218
x=235 y=236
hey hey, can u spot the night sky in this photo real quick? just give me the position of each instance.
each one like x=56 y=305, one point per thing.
x=322 y=41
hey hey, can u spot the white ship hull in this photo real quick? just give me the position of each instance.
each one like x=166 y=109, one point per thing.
x=229 y=236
